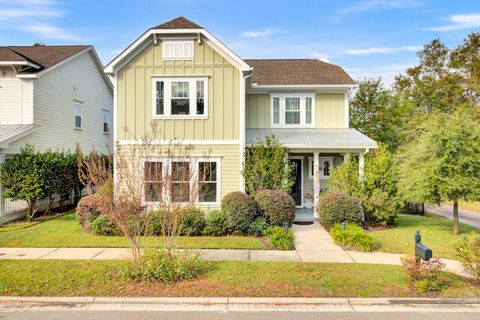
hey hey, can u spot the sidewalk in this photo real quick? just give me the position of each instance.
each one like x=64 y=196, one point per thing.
x=312 y=244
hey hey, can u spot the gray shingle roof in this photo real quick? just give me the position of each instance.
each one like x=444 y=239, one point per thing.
x=178 y=23
x=314 y=138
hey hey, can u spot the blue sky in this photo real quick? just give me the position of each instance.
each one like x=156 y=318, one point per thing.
x=369 y=38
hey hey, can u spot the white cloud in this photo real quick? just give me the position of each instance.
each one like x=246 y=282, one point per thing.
x=257 y=34
x=16 y=15
x=380 y=50
x=387 y=72
x=371 y=5
x=320 y=57
x=460 y=21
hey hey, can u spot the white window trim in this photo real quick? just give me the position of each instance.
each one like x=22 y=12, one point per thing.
x=183 y=43
x=108 y=121
x=320 y=162
x=167 y=96
x=302 y=97
x=79 y=103
x=310 y=168
x=194 y=162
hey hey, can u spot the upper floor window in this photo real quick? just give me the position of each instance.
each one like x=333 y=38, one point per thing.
x=178 y=49
x=293 y=110
x=106 y=121
x=180 y=97
x=78 y=114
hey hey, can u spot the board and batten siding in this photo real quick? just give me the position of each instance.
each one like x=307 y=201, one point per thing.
x=329 y=111
x=134 y=99
x=16 y=101
x=54 y=94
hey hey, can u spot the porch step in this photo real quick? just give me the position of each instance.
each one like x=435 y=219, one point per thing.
x=306 y=219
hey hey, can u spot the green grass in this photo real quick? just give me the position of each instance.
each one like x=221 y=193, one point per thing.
x=65 y=231
x=436 y=233
x=89 y=278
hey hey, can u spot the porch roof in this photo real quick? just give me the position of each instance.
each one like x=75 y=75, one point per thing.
x=345 y=138
x=11 y=133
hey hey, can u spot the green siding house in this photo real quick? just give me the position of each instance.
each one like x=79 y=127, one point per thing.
x=195 y=89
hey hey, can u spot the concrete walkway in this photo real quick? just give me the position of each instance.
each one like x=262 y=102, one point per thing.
x=312 y=243
x=465 y=216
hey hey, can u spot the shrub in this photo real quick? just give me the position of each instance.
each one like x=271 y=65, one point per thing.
x=337 y=207
x=424 y=275
x=165 y=266
x=277 y=206
x=280 y=238
x=468 y=250
x=352 y=237
x=215 y=224
x=102 y=226
x=258 y=226
x=193 y=223
x=240 y=210
x=88 y=209
x=154 y=227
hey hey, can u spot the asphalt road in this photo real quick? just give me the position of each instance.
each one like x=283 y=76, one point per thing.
x=147 y=315
x=465 y=216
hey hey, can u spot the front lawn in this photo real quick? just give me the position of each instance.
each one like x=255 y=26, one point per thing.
x=436 y=234
x=65 y=231
x=252 y=279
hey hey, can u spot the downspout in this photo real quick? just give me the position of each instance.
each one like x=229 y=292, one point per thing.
x=243 y=129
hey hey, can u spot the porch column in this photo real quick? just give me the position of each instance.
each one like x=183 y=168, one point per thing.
x=316 y=182
x=2 y=199
x=361 y=166
x=346 y=157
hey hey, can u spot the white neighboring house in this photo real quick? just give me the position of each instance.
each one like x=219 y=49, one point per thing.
x=53 y=97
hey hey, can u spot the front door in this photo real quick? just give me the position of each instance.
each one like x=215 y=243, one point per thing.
x=296 y=191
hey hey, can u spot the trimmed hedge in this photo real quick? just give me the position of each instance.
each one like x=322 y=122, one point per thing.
x=337 y=207
x=275 y=205
x=215 y=224
x=102 y=226
x=240 y=210
x=194 y=223
x=88 y=209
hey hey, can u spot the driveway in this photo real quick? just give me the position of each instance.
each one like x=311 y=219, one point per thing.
x=466 y=216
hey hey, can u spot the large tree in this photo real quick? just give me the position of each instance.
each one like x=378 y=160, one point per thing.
x=443 y=162
x=376 y=112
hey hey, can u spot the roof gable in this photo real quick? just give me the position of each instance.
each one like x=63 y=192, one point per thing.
x=7 y=54
x=178 y=23
x=297 y=72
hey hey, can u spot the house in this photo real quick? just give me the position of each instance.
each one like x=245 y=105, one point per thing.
x=196 y=89
x=53 y=97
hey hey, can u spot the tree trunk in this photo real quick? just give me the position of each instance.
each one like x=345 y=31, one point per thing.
x=455 y=217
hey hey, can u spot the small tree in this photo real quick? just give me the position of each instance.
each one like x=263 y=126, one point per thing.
x=266 y=166
x=442 y=164
x=22 y=178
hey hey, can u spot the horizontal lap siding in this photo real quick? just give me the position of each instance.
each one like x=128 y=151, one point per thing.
x=134 y=82
x=16 y=101
x=54 y=96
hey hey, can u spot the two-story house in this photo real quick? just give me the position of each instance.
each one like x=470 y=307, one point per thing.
x=196 y=89
x=53 y=97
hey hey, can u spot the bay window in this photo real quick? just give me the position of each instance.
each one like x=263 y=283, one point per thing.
x=181 y=98
x=293 y=110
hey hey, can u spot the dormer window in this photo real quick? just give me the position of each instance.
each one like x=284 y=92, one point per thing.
x=293 y=110
x=178 y=49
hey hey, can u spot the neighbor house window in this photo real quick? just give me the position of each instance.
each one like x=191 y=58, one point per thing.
x=78 y=115
x=106 y=121
x=180 y=97
x=207 y=180
x=293 y=110
x=185 y=174
x=153 y=180
x=178 y=50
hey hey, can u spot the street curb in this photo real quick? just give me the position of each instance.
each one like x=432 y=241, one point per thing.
x=244 y=301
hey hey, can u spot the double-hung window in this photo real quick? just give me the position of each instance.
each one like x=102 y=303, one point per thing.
x=78 y=114
x=178 y=180
x=293 y=110
x=106 y=121
x=180 y=97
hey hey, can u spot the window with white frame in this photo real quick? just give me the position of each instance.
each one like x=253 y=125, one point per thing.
x=106 y=121
x=180 y=97
x=78 y=106
x=184 y=175
x=178 y=49
x=326 y=166
x=293 y=110
x=311 y=168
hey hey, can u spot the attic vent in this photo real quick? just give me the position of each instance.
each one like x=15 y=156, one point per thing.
x=178 y=50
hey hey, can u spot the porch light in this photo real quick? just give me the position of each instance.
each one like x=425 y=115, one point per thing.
x=286 y=225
